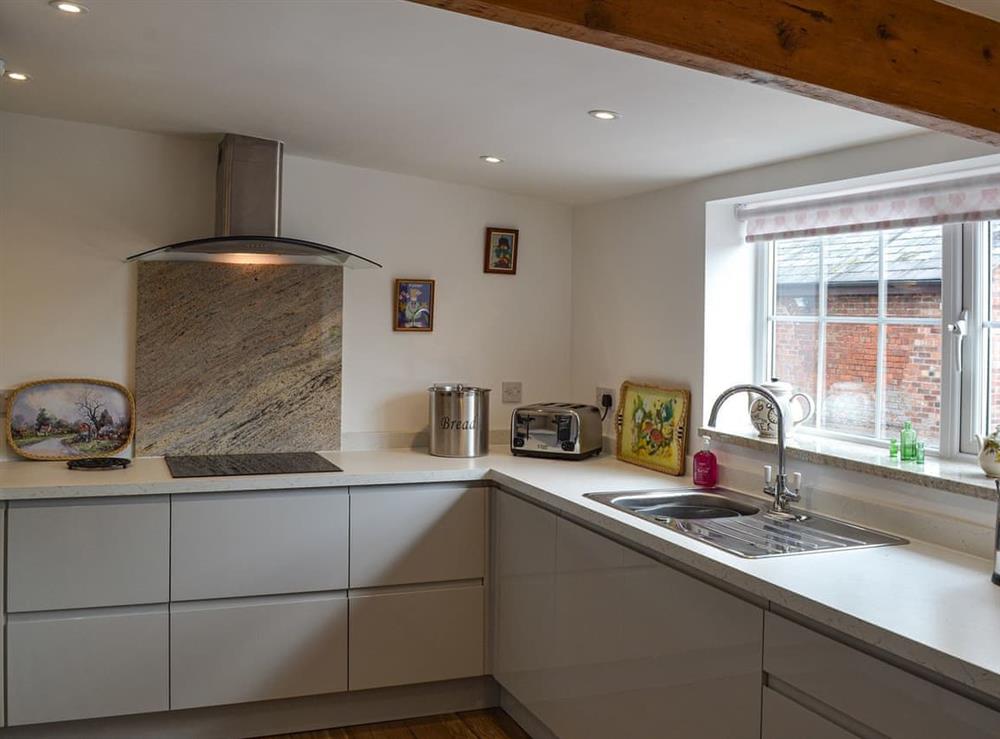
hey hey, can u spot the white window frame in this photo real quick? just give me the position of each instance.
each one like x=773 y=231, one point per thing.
x=975 y=348
x=957 y=422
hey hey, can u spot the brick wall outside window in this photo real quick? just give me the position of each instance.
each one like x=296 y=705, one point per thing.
x=912 y=359
x=910 y=260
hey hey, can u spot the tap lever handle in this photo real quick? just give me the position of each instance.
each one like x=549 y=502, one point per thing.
x=768 y=474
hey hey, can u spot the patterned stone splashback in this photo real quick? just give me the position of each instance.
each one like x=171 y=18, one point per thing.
x=235 y=358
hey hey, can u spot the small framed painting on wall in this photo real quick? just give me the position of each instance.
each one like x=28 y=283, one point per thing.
x=413 y=305
x=501 y=251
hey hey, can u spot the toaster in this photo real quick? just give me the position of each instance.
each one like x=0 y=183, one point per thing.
x=556 y=430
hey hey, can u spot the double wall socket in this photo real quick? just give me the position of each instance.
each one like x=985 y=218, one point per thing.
x=511 y=392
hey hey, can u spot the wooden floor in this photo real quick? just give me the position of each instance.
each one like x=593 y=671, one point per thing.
x=489 y=724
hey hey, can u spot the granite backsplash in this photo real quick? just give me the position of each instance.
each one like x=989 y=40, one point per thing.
x=234 y=358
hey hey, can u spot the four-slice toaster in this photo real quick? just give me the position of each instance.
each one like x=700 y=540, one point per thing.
x=556 y=430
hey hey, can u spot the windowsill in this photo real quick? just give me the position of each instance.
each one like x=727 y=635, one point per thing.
x=954 y=476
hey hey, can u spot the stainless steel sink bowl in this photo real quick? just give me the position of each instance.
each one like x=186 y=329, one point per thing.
x=742 y=524
x=682 y=504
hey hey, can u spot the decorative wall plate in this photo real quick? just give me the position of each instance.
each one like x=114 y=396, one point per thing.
x=652 y=427
x=66 y=419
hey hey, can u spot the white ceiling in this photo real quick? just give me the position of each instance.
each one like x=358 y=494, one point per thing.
x=396 y=86
x=988 y=8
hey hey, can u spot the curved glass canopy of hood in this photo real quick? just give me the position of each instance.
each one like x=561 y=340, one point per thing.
x=255 y=250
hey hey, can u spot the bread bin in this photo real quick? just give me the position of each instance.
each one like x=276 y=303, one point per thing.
x=459 y=420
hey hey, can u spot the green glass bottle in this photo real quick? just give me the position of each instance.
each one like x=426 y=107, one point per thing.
x=907 y=442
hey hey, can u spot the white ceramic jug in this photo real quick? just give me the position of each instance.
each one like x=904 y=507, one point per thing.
x=989 y=453
x=763 y=416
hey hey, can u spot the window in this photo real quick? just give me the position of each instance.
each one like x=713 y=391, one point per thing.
x=992 y=233
x=880 y=327
x=854 y=320
x=982 y=349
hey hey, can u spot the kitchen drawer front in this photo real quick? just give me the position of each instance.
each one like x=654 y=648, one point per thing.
x=84 y=664
x=253 y=649
x=874 y=693
x=68 y=554
x=230 y=545
x=786 y=719
x=404 y=534
x=416 y=636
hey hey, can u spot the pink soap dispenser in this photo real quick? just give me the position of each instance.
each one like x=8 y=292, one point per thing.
x=706 y=466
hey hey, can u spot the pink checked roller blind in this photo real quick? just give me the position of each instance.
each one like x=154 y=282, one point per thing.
x=972 y=199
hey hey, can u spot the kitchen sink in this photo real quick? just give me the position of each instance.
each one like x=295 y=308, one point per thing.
x=683 y=505
x=743 y=524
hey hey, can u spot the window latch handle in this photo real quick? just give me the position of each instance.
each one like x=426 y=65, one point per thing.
x=959 y=329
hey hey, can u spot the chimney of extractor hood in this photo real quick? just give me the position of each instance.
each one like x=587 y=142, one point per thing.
x=248 y=187
x=248 y=216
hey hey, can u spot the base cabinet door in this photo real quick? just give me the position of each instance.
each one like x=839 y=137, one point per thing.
x=64 y=554
x=887 y=700
x=524 y=622
x=84 y=664
x=635 y=648
x=416 y=636
x=786 y=719
x=231 y=545
x=634 y=633
x=253 y=649
x=403 y=534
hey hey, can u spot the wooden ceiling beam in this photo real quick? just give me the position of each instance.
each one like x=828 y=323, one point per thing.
x=916 y=61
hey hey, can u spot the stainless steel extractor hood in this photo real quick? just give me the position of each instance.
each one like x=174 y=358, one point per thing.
x=248 y=215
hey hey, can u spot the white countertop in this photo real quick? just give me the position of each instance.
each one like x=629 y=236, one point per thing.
x=925 y=604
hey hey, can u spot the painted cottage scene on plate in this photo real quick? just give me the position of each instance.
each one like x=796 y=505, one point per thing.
x=67 y=419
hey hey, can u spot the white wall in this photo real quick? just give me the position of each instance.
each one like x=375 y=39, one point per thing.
x=487 y=328
x=642 y=273
x=75 y=199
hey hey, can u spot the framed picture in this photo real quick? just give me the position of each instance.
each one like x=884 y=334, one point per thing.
x=501 y=251
x=652 y=427
x=70 y=418
x=413 y=305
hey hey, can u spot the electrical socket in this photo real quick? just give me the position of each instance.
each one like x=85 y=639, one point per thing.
x=511 y=392
x=598 y=396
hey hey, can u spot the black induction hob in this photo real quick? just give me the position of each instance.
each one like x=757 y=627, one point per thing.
x=224 y=465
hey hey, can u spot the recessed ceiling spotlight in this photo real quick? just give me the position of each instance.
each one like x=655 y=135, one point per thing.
x=489 y=158
x=66 y=6
x=18 y=76
x=604 y=115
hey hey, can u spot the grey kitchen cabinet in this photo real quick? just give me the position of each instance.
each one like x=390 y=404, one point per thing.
x=64 y=554
x=399 y=637
x=403 y=534
x=785 y=719
x=524 y=608
x=83 y=664
x=229 y=545
x=635 y=645
x=885 y=698
x=250 y=649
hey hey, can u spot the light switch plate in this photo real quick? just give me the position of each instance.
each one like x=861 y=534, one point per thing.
x=511 y=392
